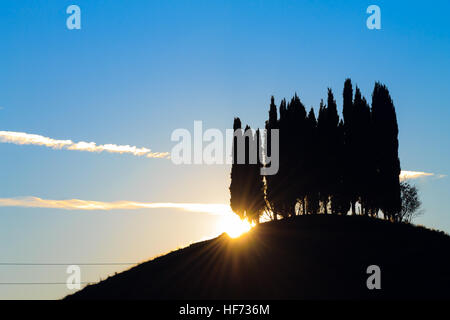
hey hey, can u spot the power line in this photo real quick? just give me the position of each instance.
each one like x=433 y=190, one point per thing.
x=59 y=264
x=38 y=283
x=68 y=264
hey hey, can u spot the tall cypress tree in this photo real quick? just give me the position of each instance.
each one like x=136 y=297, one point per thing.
x=341 y=199
x=357 y=130
x=330 y=144
x=387 y=162
x=362 y=167
x=247 y=175
x=247 y=187
x=283 y=205
x=297 y=155
x=311 y=164
x=370 y=188
x=272 y=192
x=257 y=205
x=333 y=146
x=322 y=148
x=236 y=196
x=350 y=154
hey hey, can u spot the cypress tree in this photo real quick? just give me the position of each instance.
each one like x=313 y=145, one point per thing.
x=333 y=143
x=311 y=164
x=363 y=168
x=297 y=153
x=247 y=186
x=341 y=199
x=283 y=199
x=387 y=162
x=256 y=199
x=350 y=153
x=322 y=148
x=272 y=194
x=236 y=196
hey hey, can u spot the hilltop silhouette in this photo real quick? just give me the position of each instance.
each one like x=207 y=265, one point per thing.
x=303 y=257
x=328 y=167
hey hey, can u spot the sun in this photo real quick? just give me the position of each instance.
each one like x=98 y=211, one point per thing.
x=234 y=226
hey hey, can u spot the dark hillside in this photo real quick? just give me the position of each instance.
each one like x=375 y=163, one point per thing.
x=306 y=257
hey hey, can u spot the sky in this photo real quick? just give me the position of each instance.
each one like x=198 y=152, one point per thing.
x=88 y=115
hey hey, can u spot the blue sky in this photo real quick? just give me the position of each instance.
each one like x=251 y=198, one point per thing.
x=137 y=70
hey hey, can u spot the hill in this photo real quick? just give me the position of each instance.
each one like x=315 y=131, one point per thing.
x=306 y=257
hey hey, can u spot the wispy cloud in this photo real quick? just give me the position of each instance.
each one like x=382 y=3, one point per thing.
x=407 y=175
x=22 y=138
x=77 y=204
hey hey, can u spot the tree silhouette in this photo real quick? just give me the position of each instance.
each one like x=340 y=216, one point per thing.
x=236 y=195
x=363 y=166
x=247 y=186
x=273 y=190
x=351 y=153
x=311 y=157
x=341 y=200
x=255 y=203
x=326 y=164
x=333 y=146
x=329 y=144
x=322 y=164
x=283 y=200
x=385 y=132
x=296 y=154
x=410 y=202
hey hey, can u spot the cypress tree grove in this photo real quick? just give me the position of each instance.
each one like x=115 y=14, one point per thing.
x=328 y=164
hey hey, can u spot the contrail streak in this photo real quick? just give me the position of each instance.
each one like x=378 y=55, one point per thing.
x=77 y=204
x=22 y=138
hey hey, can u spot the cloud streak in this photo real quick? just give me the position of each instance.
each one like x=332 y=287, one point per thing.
x=408 y=175
x=88 y=205
x=22 y=138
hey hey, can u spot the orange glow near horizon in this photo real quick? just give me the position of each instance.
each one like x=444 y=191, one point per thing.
x=233 y=225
